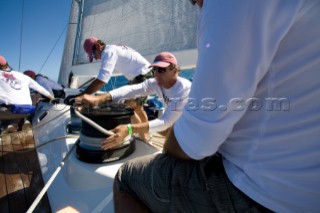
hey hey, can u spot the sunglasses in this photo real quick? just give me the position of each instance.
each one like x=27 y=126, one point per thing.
x=93 y=51
x=193 y=2
x=161 y=69
x=6 y=68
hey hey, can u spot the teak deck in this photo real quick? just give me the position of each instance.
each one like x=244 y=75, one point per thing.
x=20 y=175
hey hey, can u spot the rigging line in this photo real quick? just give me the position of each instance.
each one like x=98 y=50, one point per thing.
x=21 y=28
x=53 y=47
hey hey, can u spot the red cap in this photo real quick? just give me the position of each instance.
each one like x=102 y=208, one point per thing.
x=88 y=45
x=3 y=61
x=30 y=73
x=164 y=59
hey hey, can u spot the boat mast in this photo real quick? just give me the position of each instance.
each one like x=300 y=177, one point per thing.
x=72 y=37
x=78 y=33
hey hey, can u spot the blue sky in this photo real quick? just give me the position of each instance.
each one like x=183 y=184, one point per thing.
x=42 y=24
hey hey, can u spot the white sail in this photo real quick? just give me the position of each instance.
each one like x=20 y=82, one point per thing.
x=149 y=27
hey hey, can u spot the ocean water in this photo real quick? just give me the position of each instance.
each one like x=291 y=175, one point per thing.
x=119 y=81
x=188 y=74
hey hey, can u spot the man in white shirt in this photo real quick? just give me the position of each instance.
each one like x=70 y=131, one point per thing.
x=172 y=90
x=15 y=99
x=257 y=148
x=114 y=57
x=123 y=59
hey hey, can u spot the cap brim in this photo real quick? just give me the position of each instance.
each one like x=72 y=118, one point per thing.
x=160 y=64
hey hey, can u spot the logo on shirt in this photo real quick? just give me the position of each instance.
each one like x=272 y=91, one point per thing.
x=11 y=80
x=166 y=99
x=124 y=47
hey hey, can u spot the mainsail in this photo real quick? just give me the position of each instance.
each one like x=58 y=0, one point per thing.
x=148 y=26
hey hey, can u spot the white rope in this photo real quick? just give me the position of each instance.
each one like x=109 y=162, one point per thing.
x=92 y=123
x=104 y=203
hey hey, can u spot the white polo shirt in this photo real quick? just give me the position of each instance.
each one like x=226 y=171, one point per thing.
x=123 y=59
x=173 y=99
x=259 y=63
x=14 y=88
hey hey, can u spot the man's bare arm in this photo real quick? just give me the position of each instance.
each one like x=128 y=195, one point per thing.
x=172 y=147
x=93 y=87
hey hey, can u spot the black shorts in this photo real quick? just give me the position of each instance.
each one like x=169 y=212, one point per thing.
x=165 y=184
x=141 y=78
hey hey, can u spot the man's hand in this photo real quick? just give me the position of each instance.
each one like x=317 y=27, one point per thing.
x=69 y=100
x=115 y=140
x=88 y=100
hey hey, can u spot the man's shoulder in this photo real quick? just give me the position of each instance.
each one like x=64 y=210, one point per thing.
x=19 y=75
x=150 y=81
x=182 y=86
x=117 y=50
x=115 y=47
x=184 y=82
x=110 y=48
x=121 y=49
x=41 y=77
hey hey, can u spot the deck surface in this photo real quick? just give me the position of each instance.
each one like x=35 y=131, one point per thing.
x=20 y=175
x=157 y=140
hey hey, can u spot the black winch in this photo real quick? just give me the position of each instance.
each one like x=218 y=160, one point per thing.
x=107 y=116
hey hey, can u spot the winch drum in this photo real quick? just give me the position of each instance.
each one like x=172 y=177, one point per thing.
x=108 y=116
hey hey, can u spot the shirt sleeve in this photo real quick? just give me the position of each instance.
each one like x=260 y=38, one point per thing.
x=108 y=63
x=133 y=91
x=45 y=84
x=236 y=42
x=172 y=112
x=37 y=87
x=165 y=121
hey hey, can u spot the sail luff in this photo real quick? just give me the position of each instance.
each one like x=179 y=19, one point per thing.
x=69 y=47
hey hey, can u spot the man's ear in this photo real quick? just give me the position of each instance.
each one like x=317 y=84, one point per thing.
x=99 y=46
x=176 y=70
